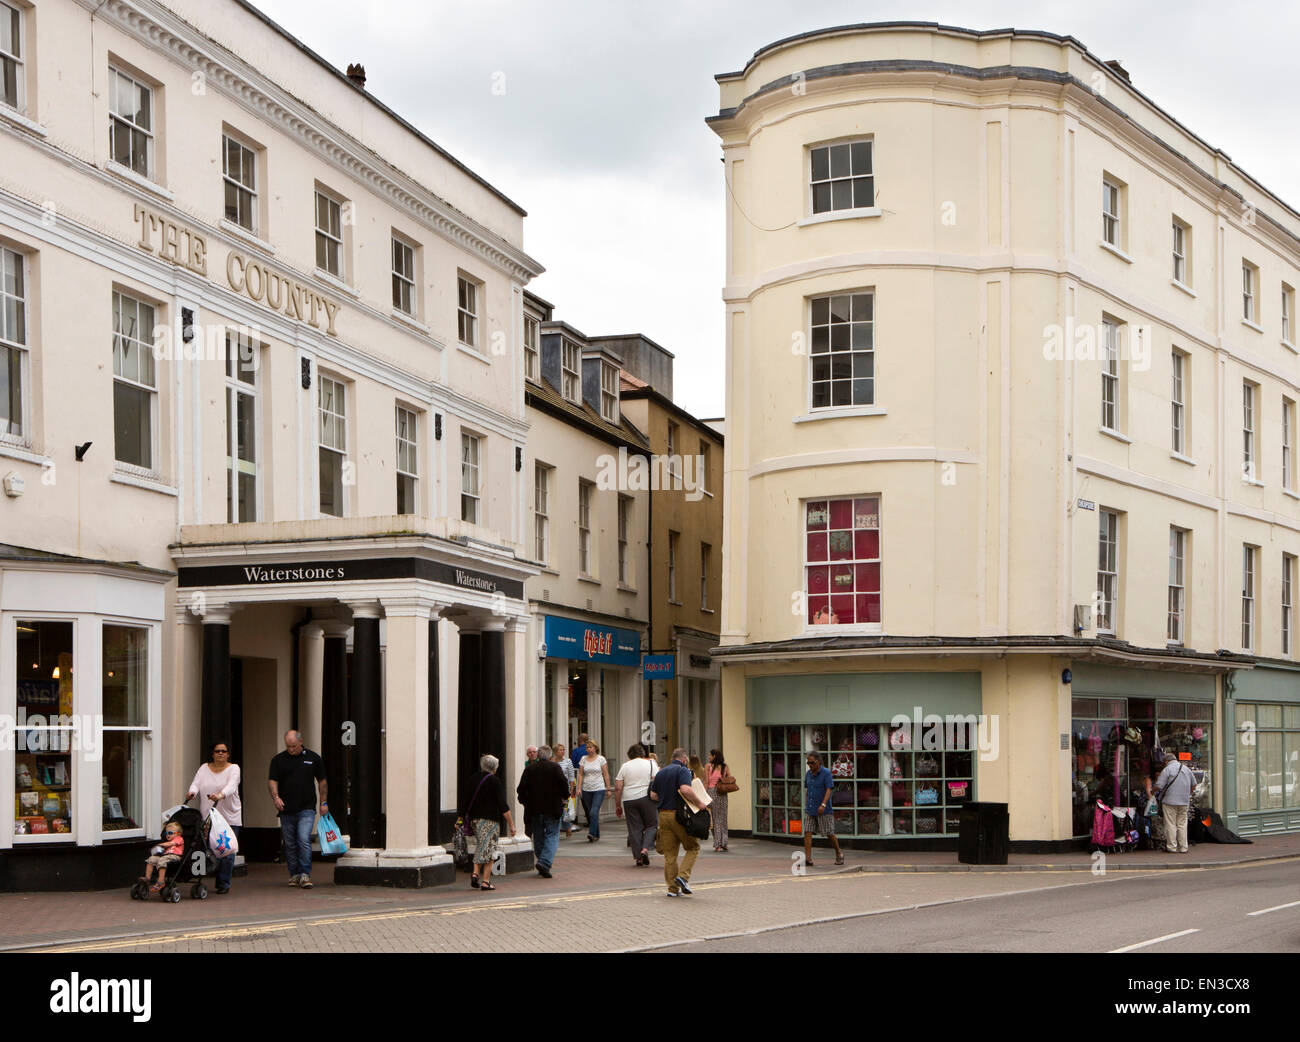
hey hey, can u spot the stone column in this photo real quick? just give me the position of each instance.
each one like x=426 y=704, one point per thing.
x=334 y=714
x=214 y=713
x=365 y=695
x=311 y=664
x=520 y=729
x=434 y=701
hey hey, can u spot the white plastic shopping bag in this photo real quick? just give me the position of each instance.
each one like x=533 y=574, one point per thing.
x=221 y=837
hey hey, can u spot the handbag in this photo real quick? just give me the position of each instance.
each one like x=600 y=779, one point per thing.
x=842 y=768
x=957 y=790
x=727 y=784
x=926 y=764
x=927 y=825
x=868 y=738
x=330 y=836
x=927 y=796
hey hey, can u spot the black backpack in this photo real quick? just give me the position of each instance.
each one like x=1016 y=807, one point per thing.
x=697 y=823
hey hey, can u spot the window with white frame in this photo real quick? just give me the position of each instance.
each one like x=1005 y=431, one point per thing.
x=584 y=527
x=1288 y=584
x=1107 y=570
x=239 y=178
x=1110 y=374
x=11 y=56
x=131 y=123
x=843 y=350
x=241 y=427
x=1111 y=215
x=1248 y=597
x=609 y=392
x=624 y=524
x=44 y=757
x=13 y=344
x=331 y=398
x=1249 y=286
x=531 y=328
x=541 y=512
x=1177 y=585
x=842 y=561
x=1288 y=310
x=408 y=460
x=706 y=557
x=1182 y=233
x=1248 y=462
x=570 y=374
x=329 y=234
x=674 y=539
x=403 y=276
x=1177 y=402
x=467 y=310
x=1288 y=444
x=125 y=702
x=135 y=381
x=471 y=486
x=842 y=177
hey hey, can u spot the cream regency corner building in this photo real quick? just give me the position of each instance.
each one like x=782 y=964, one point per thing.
x=1012 y=368
x=262 y=442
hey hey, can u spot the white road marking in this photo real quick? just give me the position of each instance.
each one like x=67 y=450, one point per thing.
x=1154 y=940
x=1275 y=908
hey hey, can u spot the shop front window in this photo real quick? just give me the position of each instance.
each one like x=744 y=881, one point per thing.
x=1268 y=756
x=842 y=561
x=1186 y=729
x=126 y=718
x=43 y=739
x=888 y=781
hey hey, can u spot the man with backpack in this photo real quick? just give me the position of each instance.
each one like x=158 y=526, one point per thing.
x=1174 y=790
x=672 y=788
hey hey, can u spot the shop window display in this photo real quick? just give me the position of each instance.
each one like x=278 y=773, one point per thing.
x=43 y=761
x=1268 y=756
x=126 y=708
x=883 y=785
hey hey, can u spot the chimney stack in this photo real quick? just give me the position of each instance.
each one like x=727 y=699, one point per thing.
x=357 y=74
x=1119 y=70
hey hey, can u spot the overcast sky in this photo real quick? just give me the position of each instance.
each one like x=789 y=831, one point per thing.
x=600 y=132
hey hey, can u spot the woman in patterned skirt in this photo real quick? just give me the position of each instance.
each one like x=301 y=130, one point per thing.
x=715 y=772
x=487 y=812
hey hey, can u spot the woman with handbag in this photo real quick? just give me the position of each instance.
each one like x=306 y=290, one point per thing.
x=216 y=784
x=719 y=783
x=486 y=812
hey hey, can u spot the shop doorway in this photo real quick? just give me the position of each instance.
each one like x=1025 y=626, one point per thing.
x=578 y=718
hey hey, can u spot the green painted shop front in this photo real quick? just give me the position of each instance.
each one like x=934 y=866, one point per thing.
x=1262 y=760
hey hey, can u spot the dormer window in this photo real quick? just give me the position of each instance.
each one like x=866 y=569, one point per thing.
x=570 y=375
x=609 y=392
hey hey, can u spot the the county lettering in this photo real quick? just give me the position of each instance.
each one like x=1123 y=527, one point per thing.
x=289 y=575
x=476 y=581
x=596 y=643
x=93 y=995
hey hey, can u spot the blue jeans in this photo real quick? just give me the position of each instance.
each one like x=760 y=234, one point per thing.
x=591 y=802
x=295 y=828
x=226 y=866
x=546 y=839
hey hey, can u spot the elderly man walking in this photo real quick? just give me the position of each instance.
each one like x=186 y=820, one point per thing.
x=543 y=790
x=1174 y=790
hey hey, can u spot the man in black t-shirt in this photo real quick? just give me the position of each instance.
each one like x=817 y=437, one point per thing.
x=296 y=775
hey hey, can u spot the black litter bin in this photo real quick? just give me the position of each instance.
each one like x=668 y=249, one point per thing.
x=985 y=834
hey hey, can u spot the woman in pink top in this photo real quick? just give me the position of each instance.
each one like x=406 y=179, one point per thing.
x=216 y=783
x=713 y=774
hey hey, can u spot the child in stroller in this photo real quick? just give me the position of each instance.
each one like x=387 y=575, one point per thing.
x=175 y=861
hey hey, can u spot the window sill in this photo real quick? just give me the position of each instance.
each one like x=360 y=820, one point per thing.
x=475 y=354
x=1116 y=251
x=1183 y=459
x=625 y=588
x=548 y=570
x=126 y=173
x=840 y=215
x=708 y=611
x=147 y=480
x=1288 y=492
x=1290 y=346
x=1251 y=325
x=1184 y=287
x=337 y=283
x=415 y=324
x=21 y=451
x=677 y=604
x=847 y=629
x=18 y=119
x=1253 y=484
x=252 y=238
x=841 y=412
x=588 y=579
x=1116 y=435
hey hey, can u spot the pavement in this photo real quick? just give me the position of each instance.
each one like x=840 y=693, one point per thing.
x=762 y=885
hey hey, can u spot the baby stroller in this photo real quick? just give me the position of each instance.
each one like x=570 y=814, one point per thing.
x=189 y=869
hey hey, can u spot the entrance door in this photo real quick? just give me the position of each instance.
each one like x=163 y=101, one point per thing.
x=578 y=722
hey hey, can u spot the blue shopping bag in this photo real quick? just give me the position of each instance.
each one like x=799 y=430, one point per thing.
x=330 y=836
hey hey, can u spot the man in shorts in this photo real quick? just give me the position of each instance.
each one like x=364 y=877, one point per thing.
x=819 y=815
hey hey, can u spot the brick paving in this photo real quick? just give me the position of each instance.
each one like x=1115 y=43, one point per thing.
x=595 y=887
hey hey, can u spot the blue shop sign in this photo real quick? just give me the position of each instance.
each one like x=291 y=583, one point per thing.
x=659 y=667
x=587 y=641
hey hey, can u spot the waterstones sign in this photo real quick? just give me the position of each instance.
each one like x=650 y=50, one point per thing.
x=589 y=642
x=348 y=571
x=187 y=248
